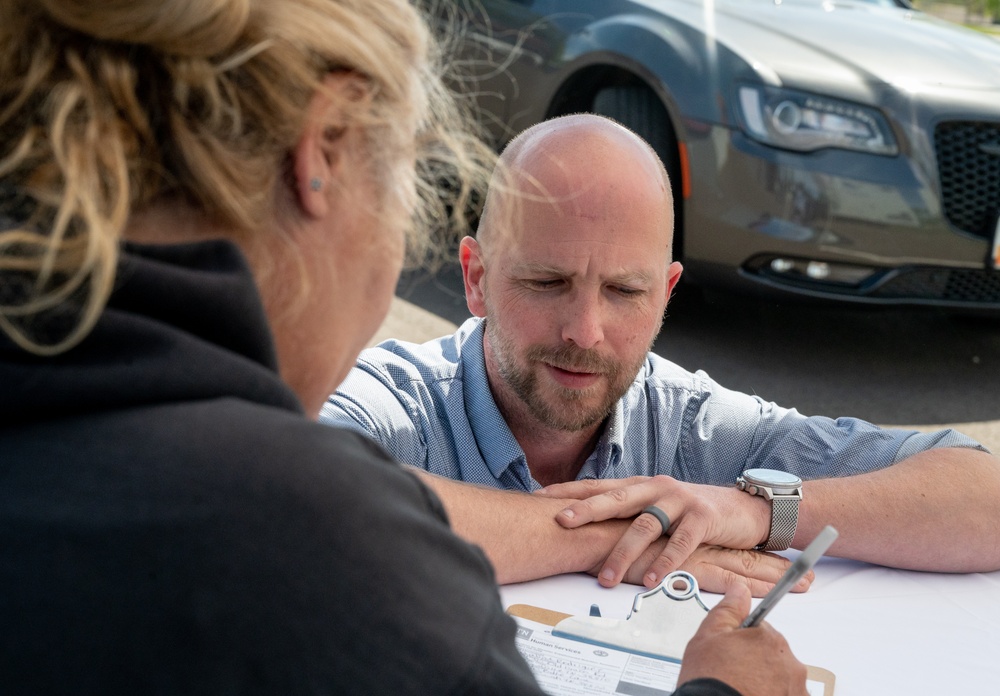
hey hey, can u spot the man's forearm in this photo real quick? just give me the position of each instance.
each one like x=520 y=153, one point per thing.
x=519 y=533
x=938 y=510
x=523 y=541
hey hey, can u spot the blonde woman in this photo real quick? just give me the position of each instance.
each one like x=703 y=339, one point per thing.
x=204 y=208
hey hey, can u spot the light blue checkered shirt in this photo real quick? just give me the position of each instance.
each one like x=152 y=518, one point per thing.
x=430 y=405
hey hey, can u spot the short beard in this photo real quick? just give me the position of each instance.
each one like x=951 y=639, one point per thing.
x=567 y=413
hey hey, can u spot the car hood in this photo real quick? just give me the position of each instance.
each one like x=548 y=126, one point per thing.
x=838 y=44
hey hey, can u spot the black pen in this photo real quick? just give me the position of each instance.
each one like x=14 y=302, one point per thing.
x=800 y=566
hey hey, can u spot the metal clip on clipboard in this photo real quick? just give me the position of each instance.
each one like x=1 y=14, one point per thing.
x=661 y=622
x=664 y=619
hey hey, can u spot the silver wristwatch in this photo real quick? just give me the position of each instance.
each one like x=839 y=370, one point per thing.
x=784 y=490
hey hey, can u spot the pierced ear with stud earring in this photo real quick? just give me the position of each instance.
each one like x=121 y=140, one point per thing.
x=315 y=184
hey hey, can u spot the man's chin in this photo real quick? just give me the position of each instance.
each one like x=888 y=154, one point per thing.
x=581 y=424
x=571 y=414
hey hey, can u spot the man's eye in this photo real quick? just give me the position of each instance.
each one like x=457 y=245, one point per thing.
x=542 y=284
x=627 y=292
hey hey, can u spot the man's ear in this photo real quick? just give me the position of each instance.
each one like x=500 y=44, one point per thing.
x=470 y=254
x=673 y=275
x=320 y=152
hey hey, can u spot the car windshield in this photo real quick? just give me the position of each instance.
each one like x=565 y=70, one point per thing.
x=880 y=3
x=885 y=3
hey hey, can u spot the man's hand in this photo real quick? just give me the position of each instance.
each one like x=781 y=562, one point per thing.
x=718 y=569
x=699 y=515
x=751 y=660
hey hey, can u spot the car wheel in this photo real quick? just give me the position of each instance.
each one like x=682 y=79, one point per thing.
x=637 y=108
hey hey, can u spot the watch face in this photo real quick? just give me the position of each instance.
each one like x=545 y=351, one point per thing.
x=772 y=477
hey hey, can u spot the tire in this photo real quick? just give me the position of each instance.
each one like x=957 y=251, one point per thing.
x=638 y=109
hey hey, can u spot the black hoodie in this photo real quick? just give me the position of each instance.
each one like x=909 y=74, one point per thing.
x=171 y=522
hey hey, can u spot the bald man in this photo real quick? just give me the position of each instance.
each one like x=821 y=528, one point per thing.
x=547 y=427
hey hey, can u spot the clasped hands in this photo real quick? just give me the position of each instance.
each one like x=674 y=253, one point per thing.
x=712 y=532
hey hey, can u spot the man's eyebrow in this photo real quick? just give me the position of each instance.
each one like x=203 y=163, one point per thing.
x=632 y=278
x=543 y=269
x=539 y=269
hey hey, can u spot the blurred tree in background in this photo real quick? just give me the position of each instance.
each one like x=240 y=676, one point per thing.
x=969 y=11
x=992 y=9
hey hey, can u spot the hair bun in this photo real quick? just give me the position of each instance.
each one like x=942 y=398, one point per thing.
x=190 y=28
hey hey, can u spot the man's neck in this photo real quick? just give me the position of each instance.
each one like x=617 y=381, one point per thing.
x=553 y=455
x=556 y=456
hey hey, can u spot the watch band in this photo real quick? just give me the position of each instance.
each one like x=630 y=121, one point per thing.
x=784 y=520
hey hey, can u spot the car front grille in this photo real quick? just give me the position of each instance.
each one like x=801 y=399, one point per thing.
x=968 y=154
x=973 y=286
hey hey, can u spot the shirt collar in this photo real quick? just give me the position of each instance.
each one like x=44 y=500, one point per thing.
x=607 y=454
x=488 y=424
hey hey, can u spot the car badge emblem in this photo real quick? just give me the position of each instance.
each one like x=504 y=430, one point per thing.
x=991 y=149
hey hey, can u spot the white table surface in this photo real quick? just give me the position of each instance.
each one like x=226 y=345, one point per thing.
x=880 y=631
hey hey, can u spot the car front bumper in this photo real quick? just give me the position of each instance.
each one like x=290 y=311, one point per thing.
x=838 y=224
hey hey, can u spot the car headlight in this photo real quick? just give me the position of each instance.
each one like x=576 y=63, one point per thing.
x=801 y=121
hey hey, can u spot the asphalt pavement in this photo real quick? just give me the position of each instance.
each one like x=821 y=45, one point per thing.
x=914 y=367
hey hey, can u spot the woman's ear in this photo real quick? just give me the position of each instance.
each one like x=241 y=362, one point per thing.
x=320 y=152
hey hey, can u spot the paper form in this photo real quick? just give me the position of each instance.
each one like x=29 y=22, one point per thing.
x=566 y=667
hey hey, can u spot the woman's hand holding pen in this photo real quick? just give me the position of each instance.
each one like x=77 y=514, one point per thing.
x=754 y=661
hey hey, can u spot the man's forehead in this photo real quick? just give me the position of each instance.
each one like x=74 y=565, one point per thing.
x=580 y=187
x=590 y=219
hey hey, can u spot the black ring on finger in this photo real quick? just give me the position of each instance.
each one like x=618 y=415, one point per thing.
x=660 y=516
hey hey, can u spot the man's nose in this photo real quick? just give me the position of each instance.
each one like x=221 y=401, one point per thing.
x=583 y=322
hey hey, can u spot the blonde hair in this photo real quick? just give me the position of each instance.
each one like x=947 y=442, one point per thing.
x=108 y=106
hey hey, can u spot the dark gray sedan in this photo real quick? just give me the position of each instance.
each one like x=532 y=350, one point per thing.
x=846 y=150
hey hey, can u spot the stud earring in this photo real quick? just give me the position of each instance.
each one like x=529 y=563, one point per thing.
x=315 y=184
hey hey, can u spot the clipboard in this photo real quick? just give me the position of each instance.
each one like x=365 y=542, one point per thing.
x=660 y=625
